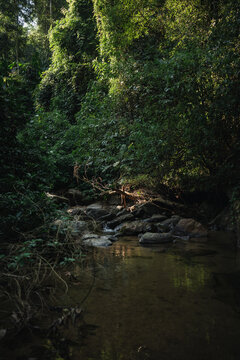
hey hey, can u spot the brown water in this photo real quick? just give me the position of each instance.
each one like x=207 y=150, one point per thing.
x=145 y=304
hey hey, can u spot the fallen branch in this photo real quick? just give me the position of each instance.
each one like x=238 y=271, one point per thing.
x=97 y=183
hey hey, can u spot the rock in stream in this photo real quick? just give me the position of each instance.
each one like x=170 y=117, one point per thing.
x=156 y=238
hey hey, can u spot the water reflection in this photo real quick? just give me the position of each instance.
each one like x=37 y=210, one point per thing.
x=192 y=277
x=142 y=304
x=144 y=299
x=126 y=255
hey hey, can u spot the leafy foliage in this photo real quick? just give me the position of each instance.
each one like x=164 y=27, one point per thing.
x=73 y=44
x=47 y=12
x=22 y=199
x=134 y=88
x=180 y=99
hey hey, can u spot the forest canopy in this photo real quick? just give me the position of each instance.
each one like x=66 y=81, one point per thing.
x=129 y=89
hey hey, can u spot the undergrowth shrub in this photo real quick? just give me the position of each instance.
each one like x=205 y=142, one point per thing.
x=23 y=210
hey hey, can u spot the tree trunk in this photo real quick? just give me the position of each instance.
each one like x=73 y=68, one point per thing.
x=50 y=11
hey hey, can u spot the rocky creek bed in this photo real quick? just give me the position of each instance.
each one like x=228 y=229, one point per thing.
x=99 y=225
x=155 y=285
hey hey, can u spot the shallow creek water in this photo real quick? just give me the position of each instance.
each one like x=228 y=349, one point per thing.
x=143 y=304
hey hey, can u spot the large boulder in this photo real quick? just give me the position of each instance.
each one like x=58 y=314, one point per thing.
x=156 y=238
x=100 y=211
x=190 y=227
x=168 y=224
x=156 y=218
x=119 y=220
x=70 y=227
x=97 y=213
x=146 y=210
x=135 y=227
x=94 y=240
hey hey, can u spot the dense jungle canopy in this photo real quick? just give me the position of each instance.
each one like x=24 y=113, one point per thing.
x=143 y=91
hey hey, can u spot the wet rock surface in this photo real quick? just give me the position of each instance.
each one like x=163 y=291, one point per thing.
x=119 y=220
x=156 y=238
x=156 y=218
x=97 y=213
x=191 y=227
x=149 y=221
x=97 y=241
x=146 y=210
x=168 y=224
x=135 y=227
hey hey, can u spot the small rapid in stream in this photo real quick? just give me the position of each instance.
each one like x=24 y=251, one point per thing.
x=142 y=303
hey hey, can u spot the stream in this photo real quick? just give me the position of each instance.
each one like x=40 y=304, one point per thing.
x=142 y=303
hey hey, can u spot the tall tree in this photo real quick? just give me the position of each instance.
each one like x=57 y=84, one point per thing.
x=48 y=11
x=13 y=14
x=74 y=46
